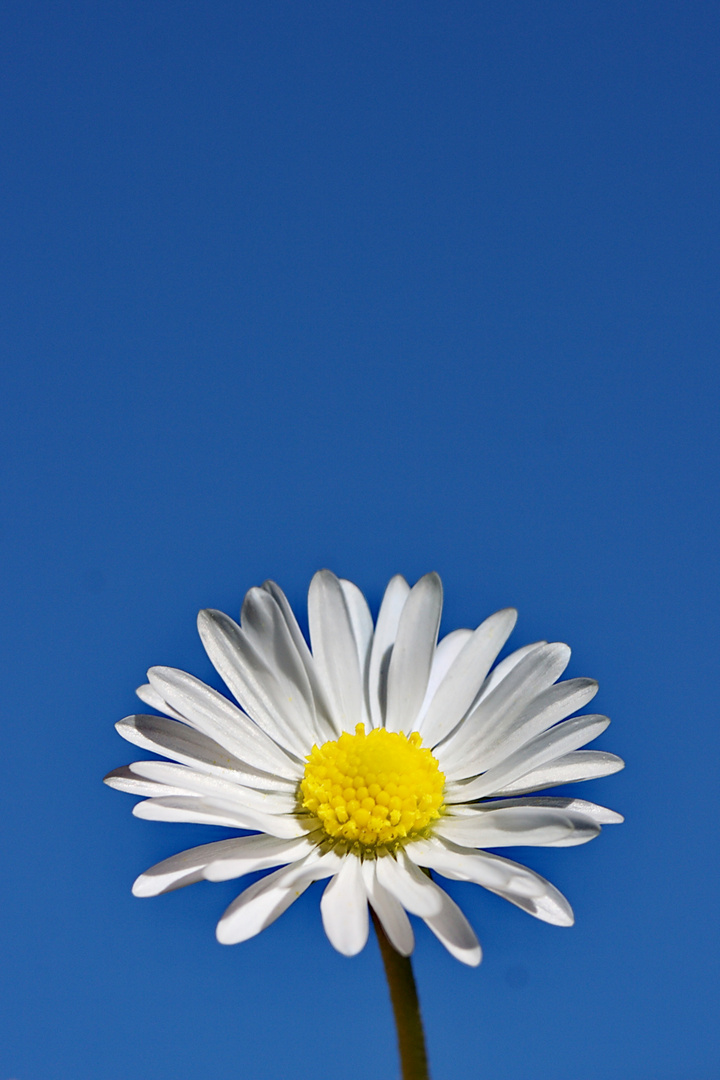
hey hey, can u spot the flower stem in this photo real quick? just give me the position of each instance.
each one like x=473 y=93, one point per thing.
x=406 y=1007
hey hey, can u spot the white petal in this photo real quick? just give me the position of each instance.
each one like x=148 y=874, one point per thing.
x=253 y=683
x=123 y=779
x=183 y=869
x=412 y=654
x=503 y=669
x=258 y=906
x=531 y=826
x=150 y=697
x=414 y=890
x=248 y=854
x=569 y=769
x=601 y=814
x=267 y=632
x=344 y=908
x=454 y=931
x=213 y=715
x=514 y=728
x=447 y=651
x=362 y=627
x=537 y=671
x=460 y=687
x=389 y=911
x=559 y=740
x=386 y=629
x=323 y=709
x=188 y=746
x=209 y=811
x=192 y=782
x=516 y=883
x=335 y=650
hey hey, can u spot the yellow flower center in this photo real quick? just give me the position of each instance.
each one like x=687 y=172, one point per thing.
x=373 y=791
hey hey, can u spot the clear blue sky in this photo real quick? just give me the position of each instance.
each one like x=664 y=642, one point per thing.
x=384 y=287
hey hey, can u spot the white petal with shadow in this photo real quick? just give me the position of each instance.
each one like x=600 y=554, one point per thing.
x=412 y=654
x=384 y=637
x=344 y=908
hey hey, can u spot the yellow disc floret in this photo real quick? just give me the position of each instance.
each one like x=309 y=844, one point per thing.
x=373 y=791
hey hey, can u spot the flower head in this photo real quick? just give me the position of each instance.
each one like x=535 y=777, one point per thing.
x=372 y=759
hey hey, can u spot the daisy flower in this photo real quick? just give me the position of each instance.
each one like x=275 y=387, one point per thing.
x=371 y=758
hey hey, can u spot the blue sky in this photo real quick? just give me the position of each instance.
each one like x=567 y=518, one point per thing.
x=384 y=288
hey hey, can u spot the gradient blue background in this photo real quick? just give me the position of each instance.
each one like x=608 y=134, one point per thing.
x=384 y=287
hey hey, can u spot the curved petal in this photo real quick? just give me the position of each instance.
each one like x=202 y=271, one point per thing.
x=267 y=632
x=344 y=908
x=386 y=630
x=537 y=671
x=210 y=811
x=601 y=814
x=123 y=779
x=413 y=889
x=248 y=854
x=253 y=683
x=258 y=906
x=181 y=776
x=389 y=911
x=572 y=768
x=453 y=930
x=412 y=654
x=335 y=649
x=323 y=709
x=362 y=627
x=503 y=669
x=559 y=740
x=213 y=715
x=183 y=869
x=447 y=651
x=518 y=826
x=461 y=685
x=189 y=747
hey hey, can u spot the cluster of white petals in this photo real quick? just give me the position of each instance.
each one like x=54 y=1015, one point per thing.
x=497 y=734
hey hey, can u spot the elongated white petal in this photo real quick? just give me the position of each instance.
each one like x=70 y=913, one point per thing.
x=559 y=740
x=335 y=649
x=386 y=630
x=503 y=669
x=389 y=911
x=515 y=727
x=412 y=654
x=461 y=685
x=189 y=747
x=447 y=651
x=183 y=869
x=362 y=627
x=323 y=710
x=150 y=696
x=252 y=682
x=209 y=811
x=516 y=883
x=267 y=632
x=248 y=854
x=414 y=890
x=531 y=826
x=601 y=814
x=123 y=779
x=269 y=802
x=258 y=906
x=569 y=769
x=344 y=908
x=213 y=715
x=537 y=671
x=453 y=930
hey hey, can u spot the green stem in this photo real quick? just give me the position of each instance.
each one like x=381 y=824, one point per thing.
x=406 y=1007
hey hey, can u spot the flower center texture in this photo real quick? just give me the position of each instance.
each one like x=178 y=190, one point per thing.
x=373 y=791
